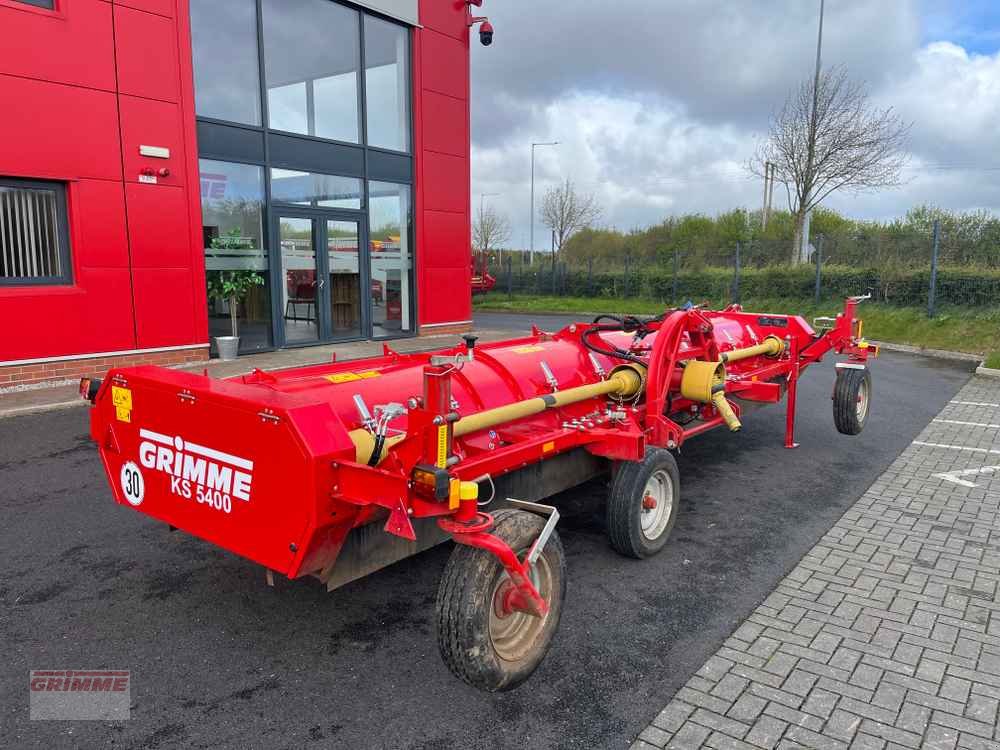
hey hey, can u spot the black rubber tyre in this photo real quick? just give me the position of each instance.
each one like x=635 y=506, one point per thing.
x=852 y=396
x=634 y=529
x=488 y=651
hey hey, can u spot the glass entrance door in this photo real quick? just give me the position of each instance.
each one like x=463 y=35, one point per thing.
x=301 y=282
x=321 y=295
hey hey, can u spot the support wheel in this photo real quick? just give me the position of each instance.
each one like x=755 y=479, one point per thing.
x=643 y=504
x=481 y=644
x=852 y=395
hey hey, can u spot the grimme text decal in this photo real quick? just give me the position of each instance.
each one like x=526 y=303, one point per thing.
x=208 y=476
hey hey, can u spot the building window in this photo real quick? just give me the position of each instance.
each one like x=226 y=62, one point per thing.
x=391 y=258
x=232 y=204
x=50 y=4
x=226 y=79
x=311 y=63
x=34 y=233
x=317 y=190
x=387 y=84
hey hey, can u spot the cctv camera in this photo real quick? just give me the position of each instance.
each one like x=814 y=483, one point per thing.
x=486 y=33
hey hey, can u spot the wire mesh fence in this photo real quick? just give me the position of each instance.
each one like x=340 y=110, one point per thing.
x=923 y=270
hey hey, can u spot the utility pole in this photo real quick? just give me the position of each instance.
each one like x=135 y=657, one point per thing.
x=531 y=249
x=811 y=156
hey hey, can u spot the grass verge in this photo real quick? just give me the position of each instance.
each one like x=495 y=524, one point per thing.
x=993 y=361
x=972 y=330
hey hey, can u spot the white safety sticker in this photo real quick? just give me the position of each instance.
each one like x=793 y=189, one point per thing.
x=133 y=485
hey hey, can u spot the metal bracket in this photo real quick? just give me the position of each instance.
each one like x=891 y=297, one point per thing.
x=824 y=323
x=550 y=525
x=597 y=366
x=549 y=377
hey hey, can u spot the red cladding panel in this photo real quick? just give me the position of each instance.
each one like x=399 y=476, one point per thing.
x=446 y=183
x=445 y=64
x=158 y=226
x=58 y=131
x=448 y=235
x=448 y=308
x=161 y=7
x=98 y=217
x=107 y=323
x=165 y=314
x=446 y=16
x=51 y=46
x=446 y=126
x=147 y=122
x=147 y=54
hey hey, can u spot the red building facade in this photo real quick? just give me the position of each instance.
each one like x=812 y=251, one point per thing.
x=157 y=154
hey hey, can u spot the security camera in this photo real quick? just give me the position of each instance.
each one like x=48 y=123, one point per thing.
x=486 y=33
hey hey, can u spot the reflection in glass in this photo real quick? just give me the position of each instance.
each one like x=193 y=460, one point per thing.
x=311 y=64
x=224 y=40
x=387 y=84
x=342 y=238
x=391 y=258
x=232 y=204
x=298 y=270
x=313 y=189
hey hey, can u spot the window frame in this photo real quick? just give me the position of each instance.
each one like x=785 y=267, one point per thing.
x=43 y=4
x=62 y=230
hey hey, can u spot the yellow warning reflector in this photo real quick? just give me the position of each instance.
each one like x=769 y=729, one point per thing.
x=442 y=447
x=351 y=377
x=861 y=327
x=549 y=447
x=122 y=400
x=455 y=494
x=528 y=349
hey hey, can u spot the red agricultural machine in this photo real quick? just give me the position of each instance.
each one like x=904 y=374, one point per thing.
x=337 y=470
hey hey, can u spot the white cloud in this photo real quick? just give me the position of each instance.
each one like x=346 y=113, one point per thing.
x=658 y=104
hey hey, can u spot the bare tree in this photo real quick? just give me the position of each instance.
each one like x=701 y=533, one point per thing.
x=566 y=212
x=829 y=137
x=490 y=229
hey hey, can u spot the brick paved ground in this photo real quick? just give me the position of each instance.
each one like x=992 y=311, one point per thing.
x=887 y=633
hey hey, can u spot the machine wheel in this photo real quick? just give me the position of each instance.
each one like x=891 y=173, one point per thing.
x=643 y=504
x=852 y=395
x=480 y=645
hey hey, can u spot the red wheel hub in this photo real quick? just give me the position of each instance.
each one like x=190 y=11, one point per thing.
x=649 y=503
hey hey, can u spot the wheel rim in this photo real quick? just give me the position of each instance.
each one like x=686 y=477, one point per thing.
x=863 y=398
x=657 y=505
x=514 y=635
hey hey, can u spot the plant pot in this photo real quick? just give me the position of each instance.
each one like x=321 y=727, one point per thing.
x=227 y=347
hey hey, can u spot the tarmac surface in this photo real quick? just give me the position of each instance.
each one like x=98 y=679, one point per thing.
x=220 y=660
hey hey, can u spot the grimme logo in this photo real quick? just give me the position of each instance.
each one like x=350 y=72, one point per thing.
x=208 y=476
x=79 y=694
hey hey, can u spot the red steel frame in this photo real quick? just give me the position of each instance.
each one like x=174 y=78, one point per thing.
x=331 y=482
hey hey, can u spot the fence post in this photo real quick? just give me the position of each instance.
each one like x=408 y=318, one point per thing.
x=590 y=277
x=510 y=278
x=674 y=299
x=819 y=265
x=735 y=296
x=625 y=280
x=932 y=292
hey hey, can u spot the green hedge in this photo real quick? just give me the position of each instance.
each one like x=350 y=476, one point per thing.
x=955 y=286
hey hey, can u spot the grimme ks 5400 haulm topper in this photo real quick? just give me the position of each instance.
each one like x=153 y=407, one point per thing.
x=337 y=470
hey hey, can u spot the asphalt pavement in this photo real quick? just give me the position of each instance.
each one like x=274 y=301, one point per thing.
x=218 y=659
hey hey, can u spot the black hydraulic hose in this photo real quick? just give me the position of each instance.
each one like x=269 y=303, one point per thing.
x=614 y=352
x=377 y=450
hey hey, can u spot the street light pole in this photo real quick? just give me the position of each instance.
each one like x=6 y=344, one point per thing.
x=531 y=249
x=804 y=248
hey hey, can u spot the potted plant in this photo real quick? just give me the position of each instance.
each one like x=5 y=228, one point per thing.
x=234 y=287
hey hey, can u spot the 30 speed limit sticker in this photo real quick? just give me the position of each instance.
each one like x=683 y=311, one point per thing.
x=133 y=486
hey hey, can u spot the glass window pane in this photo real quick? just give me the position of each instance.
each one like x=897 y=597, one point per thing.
x=342 y=238
x=31 y=234
x=298 y=270
x=391 y=258
x=232 y=204
x=311 y=62
x=314 y=189
x=226 y=76
x=387 y=84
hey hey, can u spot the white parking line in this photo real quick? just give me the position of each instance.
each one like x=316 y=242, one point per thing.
x=968 y=424
x=953 y=476
x=956 y=447
x=974 y=403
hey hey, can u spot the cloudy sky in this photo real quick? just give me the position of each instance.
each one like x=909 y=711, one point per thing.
x=658 y=103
